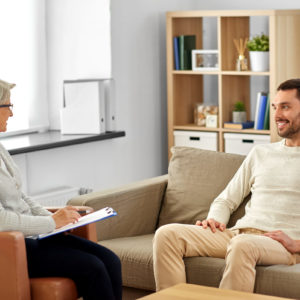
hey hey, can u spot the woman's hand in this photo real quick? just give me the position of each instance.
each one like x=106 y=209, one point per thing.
x=65 y=216
x=212 y=224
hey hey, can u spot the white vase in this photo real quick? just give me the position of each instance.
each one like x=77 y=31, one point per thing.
x=259 y=61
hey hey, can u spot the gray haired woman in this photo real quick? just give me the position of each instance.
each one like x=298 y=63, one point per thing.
x=95 y=269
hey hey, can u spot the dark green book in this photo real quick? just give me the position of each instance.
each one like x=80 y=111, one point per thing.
x=187 y=43
x=267 y=115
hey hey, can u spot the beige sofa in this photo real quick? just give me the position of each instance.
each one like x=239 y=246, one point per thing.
x=194 y=179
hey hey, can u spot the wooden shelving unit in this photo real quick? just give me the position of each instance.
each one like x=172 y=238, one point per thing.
x=185 y=88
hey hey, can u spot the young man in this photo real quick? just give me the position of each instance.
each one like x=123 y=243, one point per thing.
x=269 y=233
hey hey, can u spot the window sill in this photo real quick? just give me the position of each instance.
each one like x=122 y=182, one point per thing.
x=31 y=142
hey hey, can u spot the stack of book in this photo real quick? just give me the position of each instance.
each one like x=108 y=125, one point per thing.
x=242 y=125
x=262 y=111
x=183 y=46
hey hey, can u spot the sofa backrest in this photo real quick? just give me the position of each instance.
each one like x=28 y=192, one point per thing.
x=196 y=178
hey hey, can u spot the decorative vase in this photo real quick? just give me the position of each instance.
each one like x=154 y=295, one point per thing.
x=259 y=61
x=239 y=116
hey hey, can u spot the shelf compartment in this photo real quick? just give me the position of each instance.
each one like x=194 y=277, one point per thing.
x=187 y=91
x=234 y=88
x=188 y=26
x=232 y=28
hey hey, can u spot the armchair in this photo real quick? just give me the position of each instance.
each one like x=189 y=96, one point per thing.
x=14 y=281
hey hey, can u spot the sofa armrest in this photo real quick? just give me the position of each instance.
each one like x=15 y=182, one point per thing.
x=137 y=206
x=14 y=280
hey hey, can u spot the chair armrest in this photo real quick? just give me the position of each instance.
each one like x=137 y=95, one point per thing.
x=88 y=231
x=137 y=206
x=14 y=280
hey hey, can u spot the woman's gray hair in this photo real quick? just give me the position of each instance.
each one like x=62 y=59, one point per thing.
x=5 y=88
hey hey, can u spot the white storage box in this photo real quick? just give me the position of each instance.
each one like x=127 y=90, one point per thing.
x=196 y=139
x=241 y=143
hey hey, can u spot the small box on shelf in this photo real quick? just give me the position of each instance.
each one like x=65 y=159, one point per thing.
x=242 y=143
x=205 y=60
x=196 y=139
x=212 y=121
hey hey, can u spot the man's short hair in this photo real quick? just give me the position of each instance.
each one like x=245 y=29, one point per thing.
x=290 y=84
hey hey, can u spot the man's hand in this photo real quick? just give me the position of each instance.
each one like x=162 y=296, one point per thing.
x=291 y=245
x=65 y=216
x=212 y=224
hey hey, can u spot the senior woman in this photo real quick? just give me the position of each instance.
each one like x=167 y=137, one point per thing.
x=95 y=270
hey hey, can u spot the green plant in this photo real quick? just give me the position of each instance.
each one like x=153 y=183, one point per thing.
x=258 y=43
x=239 y=106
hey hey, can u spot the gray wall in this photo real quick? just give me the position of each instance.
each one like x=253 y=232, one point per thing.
x=139 y=68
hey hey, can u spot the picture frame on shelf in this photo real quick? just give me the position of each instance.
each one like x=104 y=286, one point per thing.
x=201 y=112
x=212 y=121
x=205 y=60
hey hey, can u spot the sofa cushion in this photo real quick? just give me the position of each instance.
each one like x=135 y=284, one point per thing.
x=196 y=177
x=279 y=280
x=136 y=257
x=137 y=269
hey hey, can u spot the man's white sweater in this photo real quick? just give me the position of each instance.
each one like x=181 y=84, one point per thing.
x=18 y=212
x=272 y=174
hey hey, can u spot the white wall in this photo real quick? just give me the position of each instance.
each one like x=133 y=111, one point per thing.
x=139 y=69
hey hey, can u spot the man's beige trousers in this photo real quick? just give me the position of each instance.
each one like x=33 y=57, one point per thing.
x=243 y=250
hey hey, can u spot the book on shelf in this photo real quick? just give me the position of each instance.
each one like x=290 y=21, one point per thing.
x=267 y=114
x=186 y=44
x=241 y=125
x=260 y=110
x=176 y=53
x=98 y=215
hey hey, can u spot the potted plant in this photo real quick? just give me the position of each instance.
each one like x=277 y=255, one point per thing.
x=239 y=113
x=258 y=48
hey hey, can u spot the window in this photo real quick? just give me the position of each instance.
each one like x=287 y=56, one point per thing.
x=44 y=42
x=22 y=57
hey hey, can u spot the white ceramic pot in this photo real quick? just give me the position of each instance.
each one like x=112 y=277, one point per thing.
x=239 y=116
x=259 y=61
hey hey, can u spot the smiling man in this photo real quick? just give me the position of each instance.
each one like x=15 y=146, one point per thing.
x=268 y=233
x=287 y=111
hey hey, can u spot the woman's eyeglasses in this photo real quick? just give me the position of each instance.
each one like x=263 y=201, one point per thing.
x=7 y=105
